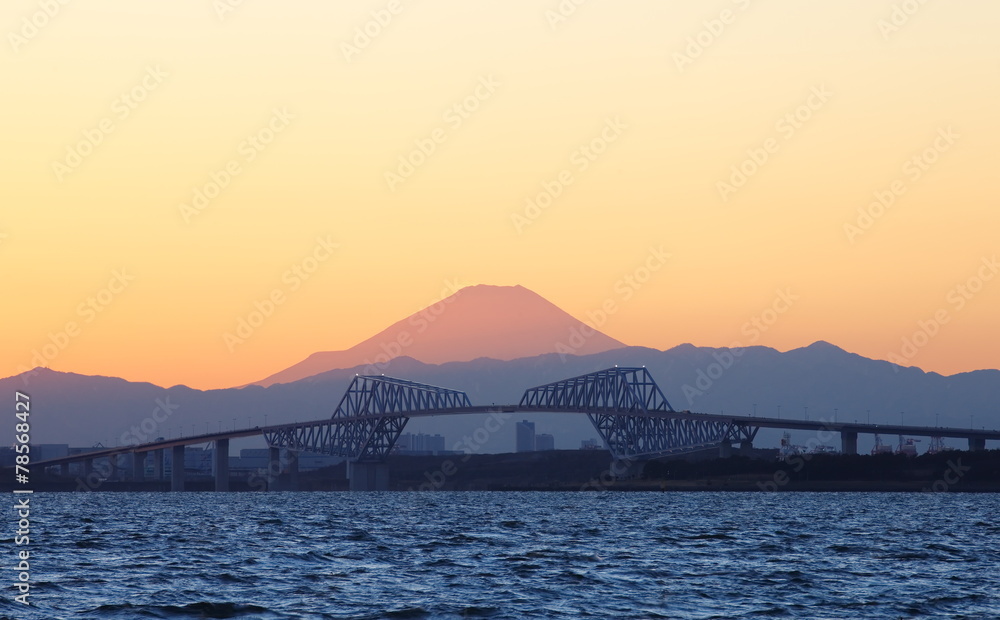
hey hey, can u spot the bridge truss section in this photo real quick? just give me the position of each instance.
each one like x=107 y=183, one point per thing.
x=369 y=419
x=630 y=412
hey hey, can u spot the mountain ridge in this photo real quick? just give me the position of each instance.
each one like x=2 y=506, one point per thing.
x=807 y=382
x=498 y=322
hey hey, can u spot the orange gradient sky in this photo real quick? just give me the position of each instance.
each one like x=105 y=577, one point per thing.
x=171 y=93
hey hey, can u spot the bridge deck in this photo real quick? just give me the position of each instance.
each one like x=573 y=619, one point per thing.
x=749 y=421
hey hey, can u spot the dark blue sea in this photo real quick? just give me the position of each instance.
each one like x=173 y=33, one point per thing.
x=509 y=555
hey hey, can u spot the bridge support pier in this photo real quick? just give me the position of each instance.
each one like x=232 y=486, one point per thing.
x=282 y=471
x=177 y=469
x=725 y=449
x=88 y=468
x=368 y=476
x=64 y=470
x=274 y=469
x=158 y=464
x=746 y=447
x=138 y=466
x=221 y=465
x=113 y=467
x=848 y=442
x=977 y=444
x=293 y=470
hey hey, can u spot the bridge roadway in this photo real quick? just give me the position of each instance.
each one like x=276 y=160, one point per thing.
x=848 y=431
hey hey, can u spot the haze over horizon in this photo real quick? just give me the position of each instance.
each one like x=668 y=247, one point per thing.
x=481 y=321
x=168 y=173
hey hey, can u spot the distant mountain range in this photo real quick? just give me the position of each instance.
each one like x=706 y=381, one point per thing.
x=493 y=342
x=82 y=410
x=498 y=322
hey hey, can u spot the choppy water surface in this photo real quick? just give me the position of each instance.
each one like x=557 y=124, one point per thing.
x=511 y=555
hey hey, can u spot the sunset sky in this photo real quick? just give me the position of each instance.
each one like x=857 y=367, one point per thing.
x=165 y=166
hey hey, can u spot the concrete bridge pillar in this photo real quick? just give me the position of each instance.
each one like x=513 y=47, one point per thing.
x=138 y=466
x=292 y=465
x=113 y=467
x=158 y=464
x=977 y=444
x=88 y=468
x=746 y=447
x=221 y=465
x=274 y=469
x=177 y=469
x=368 y=476
x=848 y=442
x=64 y=470
x=725 y=449
x=282 y=471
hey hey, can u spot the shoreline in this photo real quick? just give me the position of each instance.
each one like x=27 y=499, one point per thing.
x=584 y=471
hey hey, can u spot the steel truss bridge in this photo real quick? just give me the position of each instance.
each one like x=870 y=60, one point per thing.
x=626 y=407
x=624 y=404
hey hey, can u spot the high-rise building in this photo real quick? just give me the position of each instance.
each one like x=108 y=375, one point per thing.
x=419 y=443
x=431 y=443
x=525 y=436
x=544 y=441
